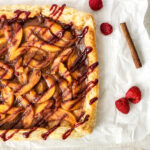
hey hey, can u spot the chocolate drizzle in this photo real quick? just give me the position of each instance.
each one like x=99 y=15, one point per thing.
x=93 y=100
x=56 y=10
x=68 y=132
x=46 y=134
x=27 y=134
x=82 y=35
x=90 y=70
x=19 y=12
x=81 y=59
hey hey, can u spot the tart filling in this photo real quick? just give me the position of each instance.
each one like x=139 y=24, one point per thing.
x=43 y=74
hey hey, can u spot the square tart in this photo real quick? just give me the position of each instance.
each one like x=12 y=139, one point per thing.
x=48 y=72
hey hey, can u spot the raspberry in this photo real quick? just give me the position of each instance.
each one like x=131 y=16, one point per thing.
x=106 y=28
x=134 y=94
x=122 y=105
x=95 y=4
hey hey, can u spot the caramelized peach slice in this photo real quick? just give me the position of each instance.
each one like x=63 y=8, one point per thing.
x=2 y=40
x=41 y=107
x=42 y=32
x=65 y=73
x=60 y=58
x=4 y=108
x=28 y=117
x=51 y=89
x=41 y=87
x=33 y=80
x=57 y=30
x=72 y=59
x=2 y=116
x=76 y=88
x=71 y=105
x=76 y=74
x=14 y=86
x=23 y=76
x=14 y=35
x=8 y=96
x=60 y=113
x=66 y=91
x=36 y=58
x=6 y=72
x=65 y=37
x=8 y=99
x=14 y=110
x=23 y=101
x=57 y=97
x=31 y=95
x=42 y=45
x=18 y=52
x=9 y=118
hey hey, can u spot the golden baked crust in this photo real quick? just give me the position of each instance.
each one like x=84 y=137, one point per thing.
x=80 y=21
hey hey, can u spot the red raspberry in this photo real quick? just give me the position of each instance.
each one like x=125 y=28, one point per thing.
x=95 y=4
x=134 y=94
x=106 y=28
x=122 y=105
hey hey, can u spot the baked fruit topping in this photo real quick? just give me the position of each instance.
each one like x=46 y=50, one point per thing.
x=43 y=74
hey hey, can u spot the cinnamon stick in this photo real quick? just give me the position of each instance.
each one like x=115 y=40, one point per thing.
x=133 y=51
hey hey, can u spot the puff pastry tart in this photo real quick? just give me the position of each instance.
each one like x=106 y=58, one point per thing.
x=48 y=72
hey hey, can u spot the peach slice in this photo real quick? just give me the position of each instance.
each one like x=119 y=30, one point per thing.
x=14 y=86
x=57 y=97
x=66 y=91
x=72 y=59
x=23 y=76
x=36 y=58
x=71 y=105
x=76 y=87
x=42 y=45
x=60 y=113
x=13 y=36
x=2 y=116
x=7 y=95
x=33 y=80
x=51 y=89
x=65 y=37
x=18 y=65
x=60 y=58
x=4 y=108
x=65 y=73
x=41 y=107
x=8 y=99
x=41 y=87
x=18 y=52
x=28 y=117
x=9 y=118
x=57 y=30
x=31 y=95
x=6 y=72
x=14 y=110
x=76 y=74
x=2 y=40
x=23 y=101
x=42 y=32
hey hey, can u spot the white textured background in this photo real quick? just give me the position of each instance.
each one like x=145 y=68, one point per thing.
x=117 y=74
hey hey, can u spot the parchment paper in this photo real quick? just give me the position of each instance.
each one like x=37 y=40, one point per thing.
x=117 y=75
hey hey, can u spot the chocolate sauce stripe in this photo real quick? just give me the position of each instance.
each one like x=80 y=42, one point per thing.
x=46 y=134
x=68 y=132
x=93 y=100
x=56 y=11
